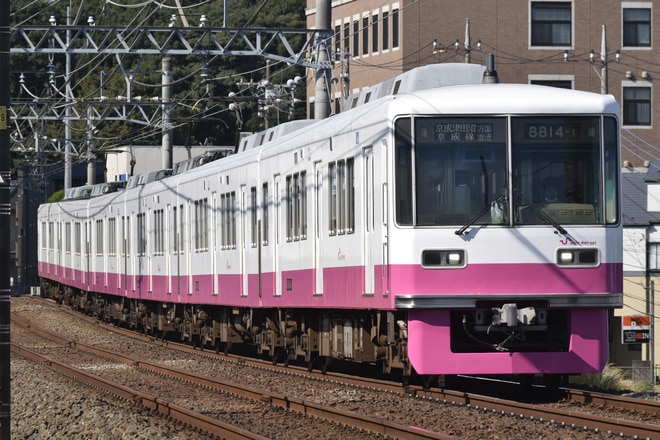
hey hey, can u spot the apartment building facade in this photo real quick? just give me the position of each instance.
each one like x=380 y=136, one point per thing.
x=593 y=45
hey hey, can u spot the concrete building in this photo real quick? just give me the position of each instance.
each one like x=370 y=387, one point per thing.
x=594 y=45
x=641 y=258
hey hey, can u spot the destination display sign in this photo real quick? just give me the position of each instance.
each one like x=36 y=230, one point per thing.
x=460 y=130
x=463 y=132
x=562 y=130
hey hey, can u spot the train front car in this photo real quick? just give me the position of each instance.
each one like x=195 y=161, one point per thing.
x=507 y=245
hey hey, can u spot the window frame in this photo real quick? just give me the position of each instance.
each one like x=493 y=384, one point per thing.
x=626 y=103
x=549 y=40
x=636 y=24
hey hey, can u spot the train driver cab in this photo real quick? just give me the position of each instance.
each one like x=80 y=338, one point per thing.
x=510 y=171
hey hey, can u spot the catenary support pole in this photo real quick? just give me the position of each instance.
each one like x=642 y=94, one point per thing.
x=5 y=212
x=322 y=84
x=167 y=132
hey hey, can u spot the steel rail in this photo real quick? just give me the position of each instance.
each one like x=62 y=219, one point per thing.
x=324 y=412
x=486 y=403
x=183 y=415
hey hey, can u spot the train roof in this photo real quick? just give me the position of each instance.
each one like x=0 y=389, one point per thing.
x=506 y=99
x=421 y=78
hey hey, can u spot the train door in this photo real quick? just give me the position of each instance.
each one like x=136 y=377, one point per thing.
x=169 y=247
x=58 y=264
x=318 y=234
x=88 y=252
x=176 y=248
x=188 y=247
x=148 y=242
x=123 y=271
x=276 y=246
x=369 y=227
x=213 y=246
x=242 y=218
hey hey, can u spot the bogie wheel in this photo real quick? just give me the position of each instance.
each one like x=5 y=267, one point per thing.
x=325 y=363
x=276 y=356
x=429 y=380
x=288 y=355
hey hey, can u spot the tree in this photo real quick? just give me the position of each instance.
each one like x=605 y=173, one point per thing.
x=201 y=115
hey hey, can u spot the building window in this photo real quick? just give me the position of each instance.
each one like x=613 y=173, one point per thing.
x=338 y=38
x=395 y=28
x=560 y=84
x=347 y=37
x=551 y=24
x=365 y=35
x=636 y=106
x=356 y=38
x=374 y=33
x=654 y=256
x=637 y=27
x=386 y=30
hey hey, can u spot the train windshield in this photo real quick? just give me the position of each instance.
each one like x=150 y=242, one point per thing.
x=455 y=171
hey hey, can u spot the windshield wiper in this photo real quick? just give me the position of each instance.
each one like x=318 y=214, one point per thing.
x=545 y=217
x=482 y=212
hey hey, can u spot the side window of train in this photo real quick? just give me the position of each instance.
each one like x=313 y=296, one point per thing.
x=296 y=206
x=200 y=225
x=159 y=231
x=141 y=234
x=253 y=217
x=67 y=237
x=228 y=220
x=403 y=171
x=99 y=237
x=112 y=236
x=78 y=238
x=341 y=197
x=264 y=214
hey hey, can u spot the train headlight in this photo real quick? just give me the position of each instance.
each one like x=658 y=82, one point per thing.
x=443 y=258
x=566 y=257
x=455 y=258
x=578 y=257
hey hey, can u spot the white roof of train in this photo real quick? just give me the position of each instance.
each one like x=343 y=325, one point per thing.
x=508 y=98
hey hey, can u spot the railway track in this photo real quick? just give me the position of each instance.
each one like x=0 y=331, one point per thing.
x=197 y=420
x=599 y=415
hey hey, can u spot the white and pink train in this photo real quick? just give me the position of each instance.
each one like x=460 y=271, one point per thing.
x=437 y=225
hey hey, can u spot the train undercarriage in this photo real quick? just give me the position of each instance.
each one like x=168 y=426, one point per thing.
x=312 y=337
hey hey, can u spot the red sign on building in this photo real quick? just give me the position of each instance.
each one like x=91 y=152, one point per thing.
x=635 y=329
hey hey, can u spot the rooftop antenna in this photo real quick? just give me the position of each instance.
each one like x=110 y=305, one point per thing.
x=490 y=75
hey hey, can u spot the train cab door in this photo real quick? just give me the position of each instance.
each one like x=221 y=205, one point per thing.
x=318 y=221
x=369 y=221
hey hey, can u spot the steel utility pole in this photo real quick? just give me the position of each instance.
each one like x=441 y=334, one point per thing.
x=5 y=213
x=322 y=87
